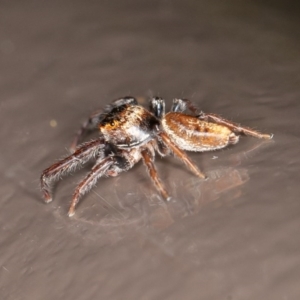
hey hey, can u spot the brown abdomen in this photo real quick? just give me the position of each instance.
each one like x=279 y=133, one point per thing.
x=190 y=133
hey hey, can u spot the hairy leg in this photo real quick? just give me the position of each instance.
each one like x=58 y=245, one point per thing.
x=148 y=159
x=89 y=181
x=233 y=126
x=180 y=105
x=161 y=148
x=84 y=153
x=181 y=155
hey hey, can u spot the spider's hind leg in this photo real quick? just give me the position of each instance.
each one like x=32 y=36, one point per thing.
x=181 y=105
x=236 y=128
x=181 y=155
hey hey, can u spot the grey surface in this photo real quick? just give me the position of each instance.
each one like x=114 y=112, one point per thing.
x=235 y=236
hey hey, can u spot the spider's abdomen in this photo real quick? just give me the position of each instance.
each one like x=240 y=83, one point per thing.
x=190 y=133
x=128 y=126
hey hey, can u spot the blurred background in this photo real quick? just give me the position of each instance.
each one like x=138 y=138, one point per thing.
x=234 y=236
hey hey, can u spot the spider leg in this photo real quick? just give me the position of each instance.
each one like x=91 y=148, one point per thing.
x=96 y=117
x=233 y=126
x=89 y=181
x=180 y=105
x=181 y=155
x=148 y=159
x=161 y=148
x=89 y=125
x=84 y=153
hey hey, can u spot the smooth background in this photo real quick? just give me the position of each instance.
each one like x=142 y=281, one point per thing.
x=235 y=236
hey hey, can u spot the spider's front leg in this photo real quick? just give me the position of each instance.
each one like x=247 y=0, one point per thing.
x=233 y=126
x=84 y=153
x=90 y=180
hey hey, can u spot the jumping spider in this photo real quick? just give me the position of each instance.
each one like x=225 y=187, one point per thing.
x=130 y=133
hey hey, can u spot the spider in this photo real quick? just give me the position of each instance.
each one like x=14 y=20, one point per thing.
x=130 y=133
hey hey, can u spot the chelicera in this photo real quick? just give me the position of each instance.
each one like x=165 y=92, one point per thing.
x=130 y=133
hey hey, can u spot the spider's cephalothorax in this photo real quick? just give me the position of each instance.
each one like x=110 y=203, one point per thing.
x=128 y=126
x=130 y=133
